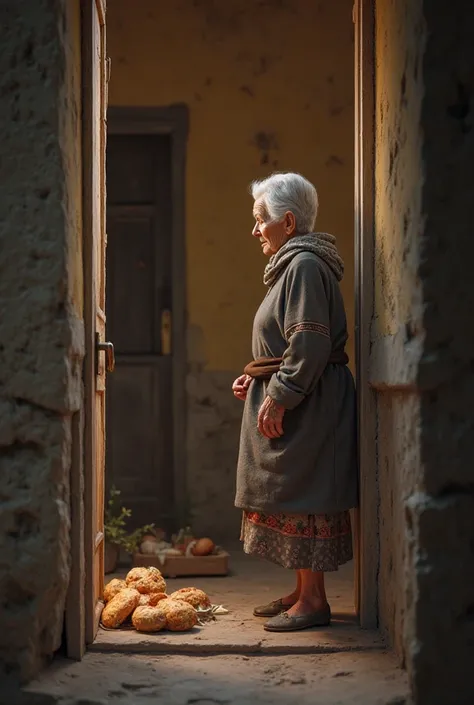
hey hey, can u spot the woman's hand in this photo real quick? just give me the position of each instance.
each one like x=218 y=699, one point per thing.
x=270 y=419
x=241 y=386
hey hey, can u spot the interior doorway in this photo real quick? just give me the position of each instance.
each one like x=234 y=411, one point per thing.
x=139 y=289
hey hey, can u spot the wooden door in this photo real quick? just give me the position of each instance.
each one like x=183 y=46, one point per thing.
x=139 y=313
x=99 y=355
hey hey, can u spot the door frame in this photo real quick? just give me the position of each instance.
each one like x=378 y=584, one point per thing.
x=173 y=121
x=367 y=555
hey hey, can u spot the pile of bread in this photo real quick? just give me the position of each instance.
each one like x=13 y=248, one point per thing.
x=142 y=598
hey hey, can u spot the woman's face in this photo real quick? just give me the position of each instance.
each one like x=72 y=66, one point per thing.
x=272 y=234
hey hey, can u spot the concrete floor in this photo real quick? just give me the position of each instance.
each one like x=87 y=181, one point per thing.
x=232 y=661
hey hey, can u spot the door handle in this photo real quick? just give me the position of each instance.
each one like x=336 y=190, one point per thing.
x=108 y=348
x=166 y=332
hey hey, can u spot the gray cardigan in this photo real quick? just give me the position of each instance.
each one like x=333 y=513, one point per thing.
x=312 y=468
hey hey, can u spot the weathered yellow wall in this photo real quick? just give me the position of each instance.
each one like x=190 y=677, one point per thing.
x=269 y=86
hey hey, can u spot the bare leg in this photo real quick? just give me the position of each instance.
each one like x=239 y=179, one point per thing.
x=312 y=596
x=293 y=596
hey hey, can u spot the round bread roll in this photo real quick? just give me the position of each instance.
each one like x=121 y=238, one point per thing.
x=151 y=598
x=148 y=619
x=180 y=616
x=149 y=585
x=146 y=580
x=193 y=596
x=136 y=574
x=156 y=597
x=120 y=607
x=141 y=572
x=144 y=600
x=112 y=588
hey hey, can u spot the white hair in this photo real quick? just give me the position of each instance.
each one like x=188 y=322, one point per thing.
x=282 y=192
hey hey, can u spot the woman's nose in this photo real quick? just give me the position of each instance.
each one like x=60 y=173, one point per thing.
x=256 y=230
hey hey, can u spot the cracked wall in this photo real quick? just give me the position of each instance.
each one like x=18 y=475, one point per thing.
x=41 y=332
x=423 y=345
x=269 y=86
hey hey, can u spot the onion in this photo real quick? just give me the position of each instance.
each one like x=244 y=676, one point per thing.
x=148 y=545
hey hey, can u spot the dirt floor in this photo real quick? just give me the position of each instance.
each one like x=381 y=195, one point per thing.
x=232 y=661
x=330 y=679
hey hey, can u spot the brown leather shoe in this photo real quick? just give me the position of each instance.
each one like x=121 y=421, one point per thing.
x=285 y=622
x=271 y=610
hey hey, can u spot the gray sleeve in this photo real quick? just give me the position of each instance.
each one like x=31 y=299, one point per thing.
x=306 y=329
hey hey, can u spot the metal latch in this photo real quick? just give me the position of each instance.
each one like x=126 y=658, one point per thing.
x=108 y=348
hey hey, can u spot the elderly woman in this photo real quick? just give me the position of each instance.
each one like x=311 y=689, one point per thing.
x=297 y=471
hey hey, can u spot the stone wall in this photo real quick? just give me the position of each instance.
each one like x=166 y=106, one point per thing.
x=423 y=342
x=441 y=637
x=41 y=332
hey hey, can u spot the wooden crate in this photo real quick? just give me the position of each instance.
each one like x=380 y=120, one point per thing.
x=181 y=566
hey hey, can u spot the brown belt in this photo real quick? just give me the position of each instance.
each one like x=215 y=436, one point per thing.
x=265 y=367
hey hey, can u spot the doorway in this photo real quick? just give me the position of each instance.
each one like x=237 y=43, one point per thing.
x=220 y=161
x=145 y=311
x=139 y=403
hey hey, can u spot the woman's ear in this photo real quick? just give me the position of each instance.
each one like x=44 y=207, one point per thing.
x=290 y=223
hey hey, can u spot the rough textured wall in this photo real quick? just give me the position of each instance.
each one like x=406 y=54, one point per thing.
x=41 y=336
x=269 y=86
x=424 y=343
x=397 y=331
x=441 y=646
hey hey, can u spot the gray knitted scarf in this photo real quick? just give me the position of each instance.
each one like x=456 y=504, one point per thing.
x=322 y=244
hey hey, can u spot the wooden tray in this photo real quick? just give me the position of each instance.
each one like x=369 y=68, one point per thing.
x=180 y=566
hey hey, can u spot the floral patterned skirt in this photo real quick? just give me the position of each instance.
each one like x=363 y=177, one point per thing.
x=320 y=542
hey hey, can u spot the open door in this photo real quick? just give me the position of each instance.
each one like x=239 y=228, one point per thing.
x=99 y=354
